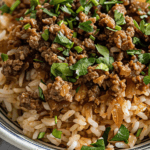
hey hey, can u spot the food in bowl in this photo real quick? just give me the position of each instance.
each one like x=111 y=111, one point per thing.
x=76 y=73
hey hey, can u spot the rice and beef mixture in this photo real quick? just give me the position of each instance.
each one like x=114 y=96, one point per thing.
x=76 y=73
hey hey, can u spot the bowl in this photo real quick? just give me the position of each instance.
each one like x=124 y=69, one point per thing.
x=12 y=133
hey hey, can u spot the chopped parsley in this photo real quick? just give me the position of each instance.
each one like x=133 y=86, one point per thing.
x=34 y=3
x=41 y=93
x=26 y=26
x=28 y=11
x=144 y=27
x=5 y=9
x=78 y=49
x=146 y=80
x=79 y=9
x=144 y=58
x=102 y=66
x=81 y=66
x=99 y=145
x=4 y=57
x=37 y=60
x=56 y=133
x=33 y=14
x=41 y=135
x=105 y=135
x=61 y=39
x=14 y=5
x=55 y=119
x=119 y=18
x=66 y=52
x=142 y=73
x=137 y=41
x=78 y=89
x=45 y=34
x=134 y=52
x=62 y=70
x=51 y=14
x=61 y=58
x=103 y=51
x=85 y=26
x=122 y=135
x=117 y=28
x=55 y=2
x=65 y=9
x=143 y=16
x=87 y=8
x=73 y=80
x=138 y=132
x=18 y=19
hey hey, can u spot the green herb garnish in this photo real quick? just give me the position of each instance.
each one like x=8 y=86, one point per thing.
x=37 y=60
x=61 y=58
x=102 y=66
x=45 y=35
x=4 y=57
x=34 y=3
x=79 y=9
x=5 y=9
x=41 y=135
x=85 y=26
x=61 y=39
x=134 y=52
x=81 y=66
x=51 y=14
x=14 y=5
x=138 y=132
x=66 y=52
x=78 y=49
x=62 y=70
x=92 y=37
x=55 y=119
x=122 y=135
x=56 y=133
x=65 y=9
x=26 y=26
x=55 y=2
x=105 y=135
x=119 y=18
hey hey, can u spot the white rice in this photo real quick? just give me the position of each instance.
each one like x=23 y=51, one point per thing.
x=48 y=121
x=35 y=134
x=121 y=145
x=8 y=106
x=54 y=140
x=21 y=78
x=2 y=35
x=74 y=127
x=142 y=115
x=96 y=131
x=92 y=122
x=73 y=145
x=135 y=127
x=67 y=115
x=39 y=126
x=46 y=106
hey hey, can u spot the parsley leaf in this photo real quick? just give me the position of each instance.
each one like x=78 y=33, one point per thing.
x=62 y=70
x=137 y=41
x=28 y=11
x=66 y=52
x=81 y=66
x=87 y=8
x=99 y=145
x=61 y=58
x=41 y=135
x=61 y=39
x=45 y=34
x=147 y=29
x=78 y=89
x=4 y=57
x=136 y=24
x=56 y=133
x=122 y=135
x=103 y=51
x=34 y=3
x=37 y=60
x=146 y=80
x=143 y=16
x=49 y=13
x=83 y=2
x=65 y=9
x=33 y=14
x=119 y=18
x=105 y=135
x=117 y=28
x=41 y=93
x=55 y=2
x=134 y=52
x=102 y=66
x=5 y=9
x=85 y=26
x=144 y=58
x=138 y=132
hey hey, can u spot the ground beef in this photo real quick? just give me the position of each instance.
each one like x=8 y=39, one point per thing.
x=59 y=91
x=30 y=101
